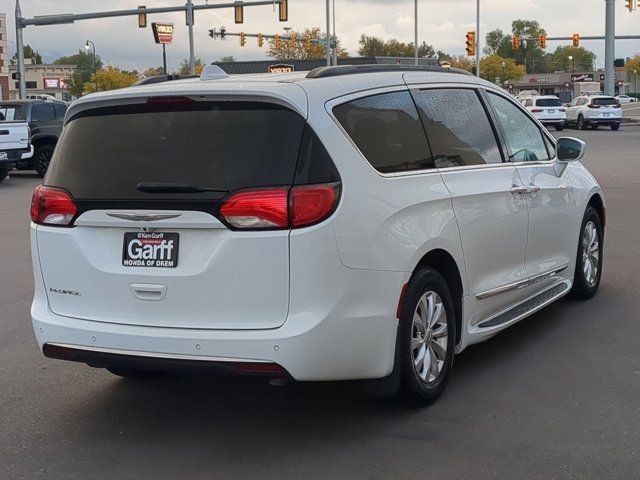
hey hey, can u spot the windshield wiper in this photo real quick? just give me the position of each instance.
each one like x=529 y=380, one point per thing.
x=168 y=187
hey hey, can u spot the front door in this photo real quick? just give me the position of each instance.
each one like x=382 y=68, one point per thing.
x=551 y=242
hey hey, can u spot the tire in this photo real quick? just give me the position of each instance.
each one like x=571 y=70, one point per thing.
x=42 y=157
x=559 y=128
x=134 y=374
x=585 y=281
x=4 y=171
x=429 y=300
x=581 y=124
x=615 y=127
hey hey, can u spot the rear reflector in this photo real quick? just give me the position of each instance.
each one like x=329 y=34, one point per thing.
x=281 y=208
x=51 y=206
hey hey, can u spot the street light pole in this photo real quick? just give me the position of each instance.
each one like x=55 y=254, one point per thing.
x=22 y=90
x=504 y=64
x=328 y=38
x=192 y=55
x=95 y=71
x=610 y=47
x=478 y=38
x=415 y=31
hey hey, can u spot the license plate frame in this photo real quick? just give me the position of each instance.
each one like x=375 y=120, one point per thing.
x=150 y=249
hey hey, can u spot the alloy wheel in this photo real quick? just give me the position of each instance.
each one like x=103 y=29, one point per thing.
x=590 y=253
x=429 y=337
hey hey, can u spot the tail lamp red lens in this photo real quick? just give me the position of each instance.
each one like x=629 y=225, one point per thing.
x=281 y=208
x=563 y=109
x=52 y=206
x=591 y=105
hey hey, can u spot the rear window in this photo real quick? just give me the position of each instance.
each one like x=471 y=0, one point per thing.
x=106 y=152
x=549 y=102
x=601 y=102
x=13 y=112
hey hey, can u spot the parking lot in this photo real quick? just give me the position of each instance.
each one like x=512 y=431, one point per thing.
x=555 y=397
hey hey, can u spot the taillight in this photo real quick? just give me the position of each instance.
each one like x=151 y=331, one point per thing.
x=280 y=208
x=591 y=105
x=313 y=203
x=537 y=110
x=617 y=106
x=51 y=206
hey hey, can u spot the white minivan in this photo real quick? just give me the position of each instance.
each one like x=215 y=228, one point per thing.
x=347 y=223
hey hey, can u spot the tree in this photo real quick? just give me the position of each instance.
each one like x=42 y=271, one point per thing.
x=153 y=72
x=185 y=66
x=633 y=65
x=462 y=62
x=29 y=53
x=497 y=43
x=491 y=69
x=583 y=59
x=376 y=47
x=227 y=59
x=299 y=50
x=84 y=70
x=111 y=78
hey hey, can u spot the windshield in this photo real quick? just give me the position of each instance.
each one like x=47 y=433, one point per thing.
x=105 y=153
x=12 y=113
x=605 y=101
x=548 y=102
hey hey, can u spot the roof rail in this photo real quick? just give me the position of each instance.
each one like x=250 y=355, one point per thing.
x=336 y=71
x=162 y=78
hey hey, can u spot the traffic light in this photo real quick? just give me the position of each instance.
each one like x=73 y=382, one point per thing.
x=576 y=40
x=223 y=33
x=307 y=41
x=239 y=13
x=142 y=17
x=471 y=44
x=276 y=40
x=243 y=39
x=283 y=11
x=260 y=40
x=543 y=41
x=212 y=33
x=292 y=39
x=630 y=4
x=515 y=42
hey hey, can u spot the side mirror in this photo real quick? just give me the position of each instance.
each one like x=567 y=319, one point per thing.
x=570 y=149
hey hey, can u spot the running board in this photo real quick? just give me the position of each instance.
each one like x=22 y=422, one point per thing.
x=526 y=308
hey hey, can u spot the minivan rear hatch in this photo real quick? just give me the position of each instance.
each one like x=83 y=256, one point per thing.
x=148 y=245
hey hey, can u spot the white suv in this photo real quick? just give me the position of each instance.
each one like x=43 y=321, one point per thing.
x=349 y=223
x=594 y=111
x=548 y=109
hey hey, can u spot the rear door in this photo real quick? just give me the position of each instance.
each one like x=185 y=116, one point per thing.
x=548 y=109
x=148 y=247
x=491 y=213
x=606 y=108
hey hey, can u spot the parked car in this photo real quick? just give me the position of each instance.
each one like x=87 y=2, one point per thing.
x=594 y=111
x=348 y=223
x=45 y=118
x=548 y=109
x=14 y=142
x=626 y=99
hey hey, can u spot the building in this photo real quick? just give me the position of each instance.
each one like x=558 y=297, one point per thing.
x=4 y=58
x=561 y=84
x=47 y=79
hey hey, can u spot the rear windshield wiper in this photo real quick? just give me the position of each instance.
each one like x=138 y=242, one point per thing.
x=168 y=187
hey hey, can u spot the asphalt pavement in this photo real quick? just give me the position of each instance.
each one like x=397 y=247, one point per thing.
x=555 y=397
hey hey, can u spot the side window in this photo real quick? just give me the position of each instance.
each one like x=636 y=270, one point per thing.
x=42 y=112
x=458 y=127
x=523 y=137
x=387 y=130
x=61 y=109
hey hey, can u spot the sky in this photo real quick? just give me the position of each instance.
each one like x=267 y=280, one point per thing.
x=442 y=23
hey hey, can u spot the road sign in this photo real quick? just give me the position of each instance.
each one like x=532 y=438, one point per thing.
x=162 y=32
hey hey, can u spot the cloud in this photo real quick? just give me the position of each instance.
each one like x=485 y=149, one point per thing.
x=442 y=23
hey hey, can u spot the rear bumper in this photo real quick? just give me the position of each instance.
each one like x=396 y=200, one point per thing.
x=604 y=121
x=14 y=156
x=552 y=121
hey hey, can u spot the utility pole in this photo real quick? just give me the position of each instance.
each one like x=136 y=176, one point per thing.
x=335 y=38
x=192 y=55
x=478 y=53
x=610 y=48
x=415 y=33
x=22 y=89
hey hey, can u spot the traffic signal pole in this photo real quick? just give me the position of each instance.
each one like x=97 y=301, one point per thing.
x=60 y=19
x=610 y=48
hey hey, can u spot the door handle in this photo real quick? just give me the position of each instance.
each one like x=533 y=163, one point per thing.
x=519 y=190
x=148 y=292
